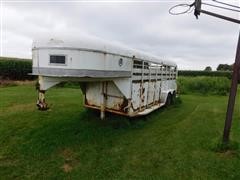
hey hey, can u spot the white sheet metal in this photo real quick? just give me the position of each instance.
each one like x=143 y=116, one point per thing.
x=114 y=78
x=96 y=45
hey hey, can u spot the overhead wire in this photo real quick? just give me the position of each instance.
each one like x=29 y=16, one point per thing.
x=221 y=7
x=231 y=5
x=190 y=7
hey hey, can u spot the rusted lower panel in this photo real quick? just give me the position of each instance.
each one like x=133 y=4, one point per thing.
x=108 y=110
x=113 y=99
x=119 y=104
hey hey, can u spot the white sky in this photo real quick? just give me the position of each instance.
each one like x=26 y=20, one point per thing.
x=147 y=26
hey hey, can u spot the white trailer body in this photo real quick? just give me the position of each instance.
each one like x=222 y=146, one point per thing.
x=113 y=78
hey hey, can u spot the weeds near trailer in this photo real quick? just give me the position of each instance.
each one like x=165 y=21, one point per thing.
x=204 y=85
x=188 y=73
x=177 y=101
x=220 y=147
x=226 y=150
x=15 y=69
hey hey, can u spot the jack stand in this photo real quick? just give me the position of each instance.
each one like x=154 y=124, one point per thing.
x=103 y=100
x=41 y=103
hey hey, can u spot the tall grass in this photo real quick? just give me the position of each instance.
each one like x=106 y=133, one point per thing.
x=15 y=69
x=190 y=73
x=204 y=85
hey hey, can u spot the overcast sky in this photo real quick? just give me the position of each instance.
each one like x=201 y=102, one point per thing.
x=147 y=26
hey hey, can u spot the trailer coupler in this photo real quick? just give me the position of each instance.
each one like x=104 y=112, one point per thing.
x=41 y=103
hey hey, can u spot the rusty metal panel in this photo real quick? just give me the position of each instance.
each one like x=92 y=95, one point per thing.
x=136 y=95
x=93 y=93
x=150 y=93
x=144 y=94
x=114 y=99
x=157 y=91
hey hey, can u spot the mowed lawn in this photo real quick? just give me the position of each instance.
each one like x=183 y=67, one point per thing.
x=70 y=142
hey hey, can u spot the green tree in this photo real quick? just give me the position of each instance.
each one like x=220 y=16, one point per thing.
x=208 y=68
x=224 y=67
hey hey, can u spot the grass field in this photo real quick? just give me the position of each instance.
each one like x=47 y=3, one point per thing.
x=70 y=142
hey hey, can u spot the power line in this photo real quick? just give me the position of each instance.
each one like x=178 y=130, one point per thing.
x=231 y=5
x=221 y=7
x=197 y=10
x=187 y=8
x=235 y=76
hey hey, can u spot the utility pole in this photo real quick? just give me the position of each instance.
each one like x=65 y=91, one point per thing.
x=232 y=95
x=235 y=75
x=198 y=10
x=197 y=4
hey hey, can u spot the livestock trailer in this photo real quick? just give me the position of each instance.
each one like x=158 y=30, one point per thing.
x=112 y=77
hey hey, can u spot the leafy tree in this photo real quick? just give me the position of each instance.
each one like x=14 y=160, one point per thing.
x=224 y=67
x=208 y=68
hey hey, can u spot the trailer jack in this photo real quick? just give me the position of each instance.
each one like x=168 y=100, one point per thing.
x=41 y=103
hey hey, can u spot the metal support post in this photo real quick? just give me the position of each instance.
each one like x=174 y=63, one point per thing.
x=232 y=95
x=103 y=101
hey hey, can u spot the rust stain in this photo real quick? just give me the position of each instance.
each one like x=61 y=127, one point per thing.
x=123 y=105
x=107 y=109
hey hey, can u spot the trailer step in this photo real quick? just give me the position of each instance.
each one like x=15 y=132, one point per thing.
x=149 y=110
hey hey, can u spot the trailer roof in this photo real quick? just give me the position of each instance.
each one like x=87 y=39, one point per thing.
x=97 y=45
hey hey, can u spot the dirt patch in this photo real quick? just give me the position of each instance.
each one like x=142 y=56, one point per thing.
x=67 y=154
x=6 y=161
x=228 y=154
x=69 y=160
x=67 y=168
x=7 y=82
x=19 y=107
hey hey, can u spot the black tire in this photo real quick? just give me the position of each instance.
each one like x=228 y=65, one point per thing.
x=169 y=100
x=173 y=98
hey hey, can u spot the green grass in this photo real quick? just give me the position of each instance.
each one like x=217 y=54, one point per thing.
x=70 y=142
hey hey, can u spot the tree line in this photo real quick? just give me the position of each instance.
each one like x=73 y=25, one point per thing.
x=221 y=67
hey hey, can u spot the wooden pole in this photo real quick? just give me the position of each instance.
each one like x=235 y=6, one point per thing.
x=235 y=75
x=232 y=95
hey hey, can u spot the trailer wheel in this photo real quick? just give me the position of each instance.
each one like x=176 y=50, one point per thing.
x=173 y=98
x=169 y=100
